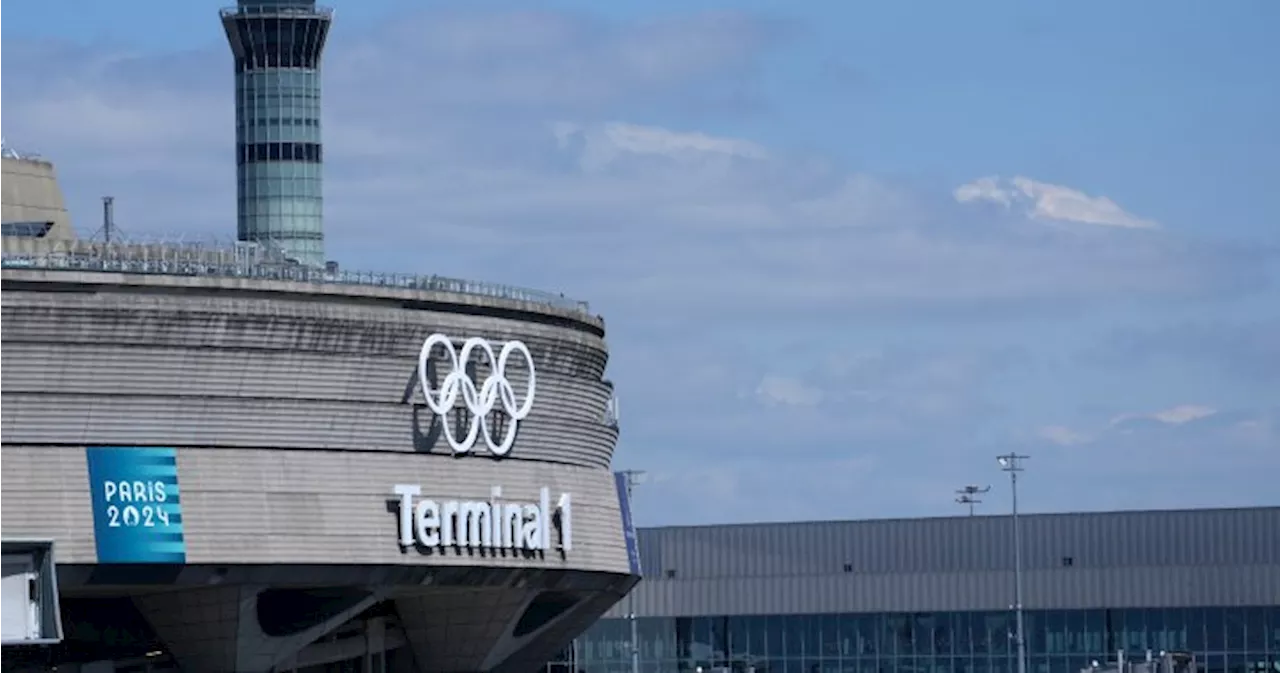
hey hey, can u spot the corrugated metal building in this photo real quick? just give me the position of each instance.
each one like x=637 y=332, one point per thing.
x=935 y=594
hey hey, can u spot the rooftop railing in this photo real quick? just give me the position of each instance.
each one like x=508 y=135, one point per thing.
x=245 y=262
x=270 y=10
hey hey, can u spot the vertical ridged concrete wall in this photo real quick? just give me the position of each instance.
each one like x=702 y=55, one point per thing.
x=294 y=411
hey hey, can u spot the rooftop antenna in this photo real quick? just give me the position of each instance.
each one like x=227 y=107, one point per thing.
x=968 y=496
x=8 y=152
x=108 y=230
x=11 y=153
x=108 y=217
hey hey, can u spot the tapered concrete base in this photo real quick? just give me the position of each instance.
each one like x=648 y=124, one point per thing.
x=221 y=629
x=465 y=630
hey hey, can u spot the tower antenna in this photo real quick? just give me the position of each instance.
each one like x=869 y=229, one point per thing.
x=969 y=496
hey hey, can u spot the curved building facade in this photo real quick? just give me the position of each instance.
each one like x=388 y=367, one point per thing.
x=277 y=45
x=238 y=473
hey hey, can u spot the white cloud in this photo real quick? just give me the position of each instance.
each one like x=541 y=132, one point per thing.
x=1044 y=201
x=1131 y=423
x=776 y=390
x=605 y=143
x=1183 y=413
x=1063 y=436
x=984 y=189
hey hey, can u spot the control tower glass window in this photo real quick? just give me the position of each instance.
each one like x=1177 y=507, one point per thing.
x=277 y=46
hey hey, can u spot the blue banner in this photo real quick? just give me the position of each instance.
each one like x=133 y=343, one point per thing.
x=137 y=509
x=628 y=527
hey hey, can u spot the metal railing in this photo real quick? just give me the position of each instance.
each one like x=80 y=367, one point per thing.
x=245 y=262
x=271 y=10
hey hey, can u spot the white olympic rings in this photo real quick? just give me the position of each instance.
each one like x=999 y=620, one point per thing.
x=479 y=402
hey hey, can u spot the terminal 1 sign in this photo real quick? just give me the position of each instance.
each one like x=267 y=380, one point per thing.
x=480 y=524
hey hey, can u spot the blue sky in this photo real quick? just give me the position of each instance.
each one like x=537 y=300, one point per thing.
x=847 y=252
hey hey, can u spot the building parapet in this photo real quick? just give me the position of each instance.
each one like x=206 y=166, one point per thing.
x=247 y=261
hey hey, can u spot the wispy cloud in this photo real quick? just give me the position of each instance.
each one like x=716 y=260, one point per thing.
x=1183 y=413
x=1063 y=436
x=777 y=390
x=1044 y=201
x=1180 y=428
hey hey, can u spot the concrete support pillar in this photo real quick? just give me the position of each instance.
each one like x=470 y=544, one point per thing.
x=453 y=630
x=459 y=630
x=375 y=638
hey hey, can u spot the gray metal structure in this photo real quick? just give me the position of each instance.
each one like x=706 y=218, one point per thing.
x=277 y=45
x=35 y=606
x=1149 y=559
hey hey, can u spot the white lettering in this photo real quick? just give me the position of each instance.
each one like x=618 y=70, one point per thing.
x=134 y=491
x=565 y=508
x=512 y=525
x=531 y=531
x=448 y=522
x=406 y=494
x=544 y=509
x=428 y=522
x=478 y=524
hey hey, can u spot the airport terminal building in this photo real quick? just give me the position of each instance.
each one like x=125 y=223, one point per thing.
x=935 y=595
x=244 y=458
x=217 y=460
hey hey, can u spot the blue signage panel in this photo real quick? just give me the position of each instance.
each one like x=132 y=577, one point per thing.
x=137 y=509
x=628 y=527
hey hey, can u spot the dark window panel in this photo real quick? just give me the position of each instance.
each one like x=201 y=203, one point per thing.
x=272 y=42
x=1214 y=630
x=937 y=642
x=260 y=152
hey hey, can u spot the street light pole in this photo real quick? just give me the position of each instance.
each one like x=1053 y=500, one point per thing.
x=633 y=477
x=1012 y=463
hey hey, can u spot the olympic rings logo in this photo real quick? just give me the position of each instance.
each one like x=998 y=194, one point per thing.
x=479 y=402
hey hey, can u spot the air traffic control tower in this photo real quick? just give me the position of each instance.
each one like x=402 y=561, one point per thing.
x=277 y=46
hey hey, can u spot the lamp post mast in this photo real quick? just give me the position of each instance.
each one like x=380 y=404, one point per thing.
x=1012 y=463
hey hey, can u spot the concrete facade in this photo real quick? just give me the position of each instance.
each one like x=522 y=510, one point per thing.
x=294 y=408
x=31 y=194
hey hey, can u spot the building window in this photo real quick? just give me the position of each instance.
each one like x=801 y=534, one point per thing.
x=1059 y=641
x=249 y=153
x=1068 y=561
x=848 y=567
